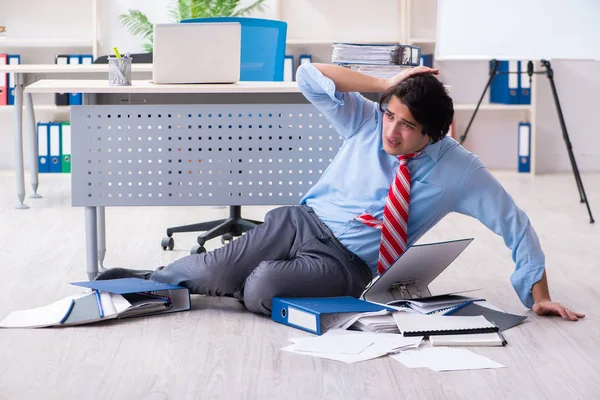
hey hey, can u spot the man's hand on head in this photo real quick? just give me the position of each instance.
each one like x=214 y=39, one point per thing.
x=549 y=307
x=404 y=75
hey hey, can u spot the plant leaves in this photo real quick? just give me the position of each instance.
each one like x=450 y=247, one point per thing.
x=257 y=6
x=137 y=23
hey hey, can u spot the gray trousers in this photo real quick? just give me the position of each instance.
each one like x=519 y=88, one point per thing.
x=292 y=254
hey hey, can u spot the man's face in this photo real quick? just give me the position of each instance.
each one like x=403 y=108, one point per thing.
x=401 y=134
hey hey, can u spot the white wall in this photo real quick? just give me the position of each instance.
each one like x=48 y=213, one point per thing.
x=47 y=20
x=578 y=87
x=340 y=20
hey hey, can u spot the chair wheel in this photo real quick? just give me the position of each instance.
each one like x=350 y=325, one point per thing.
x=228 y=237
x=197 y=250
x=167 y=242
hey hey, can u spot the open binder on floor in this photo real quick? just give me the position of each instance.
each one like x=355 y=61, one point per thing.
x=109 y=299
x=412 y=273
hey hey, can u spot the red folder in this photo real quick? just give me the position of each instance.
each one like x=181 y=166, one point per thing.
x=3 y=81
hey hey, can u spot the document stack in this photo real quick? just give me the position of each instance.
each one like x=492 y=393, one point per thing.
x=379 y=60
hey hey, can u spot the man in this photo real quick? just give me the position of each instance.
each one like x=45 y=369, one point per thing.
x=394 y=178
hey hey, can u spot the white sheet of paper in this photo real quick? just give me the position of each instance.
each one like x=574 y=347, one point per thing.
x=335 y=320
x=368 y=354
x=450 y=359
x=119 y=302
x=382 y=344
x=348 y=323
x=334 y=344
x=427 y=323
x=407 y=361
x=39 y=317
x=393 y=339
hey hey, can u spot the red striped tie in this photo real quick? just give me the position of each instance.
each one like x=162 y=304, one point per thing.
x=394 y=226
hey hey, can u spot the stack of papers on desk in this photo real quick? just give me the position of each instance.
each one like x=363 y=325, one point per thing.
x=378 y=60
x=354 y=53
x=378 y=71
x=351 y=346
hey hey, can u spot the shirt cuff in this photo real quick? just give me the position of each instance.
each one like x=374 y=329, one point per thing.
x=522 y=282
x=311 y=80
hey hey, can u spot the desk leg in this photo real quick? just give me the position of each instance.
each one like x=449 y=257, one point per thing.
x=20 y=172
x=91 y=243
x=30 y=116
x=101 y=235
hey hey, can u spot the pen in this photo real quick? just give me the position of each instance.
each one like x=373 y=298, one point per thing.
x=99 y=301
x=504 y=342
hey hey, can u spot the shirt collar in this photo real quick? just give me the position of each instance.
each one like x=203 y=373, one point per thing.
x=432 y=149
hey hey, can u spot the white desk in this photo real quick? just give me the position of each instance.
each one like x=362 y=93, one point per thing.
x=162 y=145
x=20 y=71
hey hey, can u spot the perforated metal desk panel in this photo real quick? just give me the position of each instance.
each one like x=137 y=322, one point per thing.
x=198 y=154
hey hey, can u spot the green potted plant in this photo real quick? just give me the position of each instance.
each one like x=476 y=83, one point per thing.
x=138 y=24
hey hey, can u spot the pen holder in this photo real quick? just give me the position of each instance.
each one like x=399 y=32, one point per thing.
x=119 y=71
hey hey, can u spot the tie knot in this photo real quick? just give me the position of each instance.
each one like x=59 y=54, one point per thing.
x=405 y=157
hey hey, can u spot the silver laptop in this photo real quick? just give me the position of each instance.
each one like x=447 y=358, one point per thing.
x=410 y=275
x=197 y=53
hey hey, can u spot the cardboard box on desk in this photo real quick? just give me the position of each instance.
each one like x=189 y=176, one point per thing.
x=109 y=299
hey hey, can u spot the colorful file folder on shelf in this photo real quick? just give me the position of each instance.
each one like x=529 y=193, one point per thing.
x=54 y=147
x=65 y=144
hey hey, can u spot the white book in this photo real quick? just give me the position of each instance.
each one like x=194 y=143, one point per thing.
x=479 y=339
x=428 y=325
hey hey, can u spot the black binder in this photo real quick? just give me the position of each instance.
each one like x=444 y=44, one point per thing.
x=61 y=99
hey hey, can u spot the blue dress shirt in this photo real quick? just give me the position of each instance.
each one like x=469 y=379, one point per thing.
x=445 y=178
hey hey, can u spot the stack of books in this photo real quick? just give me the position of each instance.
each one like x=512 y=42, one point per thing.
x=379 y=60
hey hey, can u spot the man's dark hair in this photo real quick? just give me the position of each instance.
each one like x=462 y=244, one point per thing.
x=427 y=100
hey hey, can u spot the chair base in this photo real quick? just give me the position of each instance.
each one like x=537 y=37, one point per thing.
x=233 y=226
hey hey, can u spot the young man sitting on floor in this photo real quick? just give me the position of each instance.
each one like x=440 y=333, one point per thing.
x=395 y=177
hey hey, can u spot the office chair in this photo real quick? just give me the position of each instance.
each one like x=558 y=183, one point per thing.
x=262 y=58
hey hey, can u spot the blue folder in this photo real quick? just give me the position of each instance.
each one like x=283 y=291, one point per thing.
x=54 y=147
x=306 y=313
x=524 y=84
x=127 y=285
x=43 y=135
x=75 y=99
x=427 y=60
x=179 y=296
x=524 y=147
x=504 y=88
x=13 y=59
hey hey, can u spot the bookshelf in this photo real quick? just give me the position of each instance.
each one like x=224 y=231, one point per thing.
x=37 y=108
x=10 y=44
x=382 y=40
